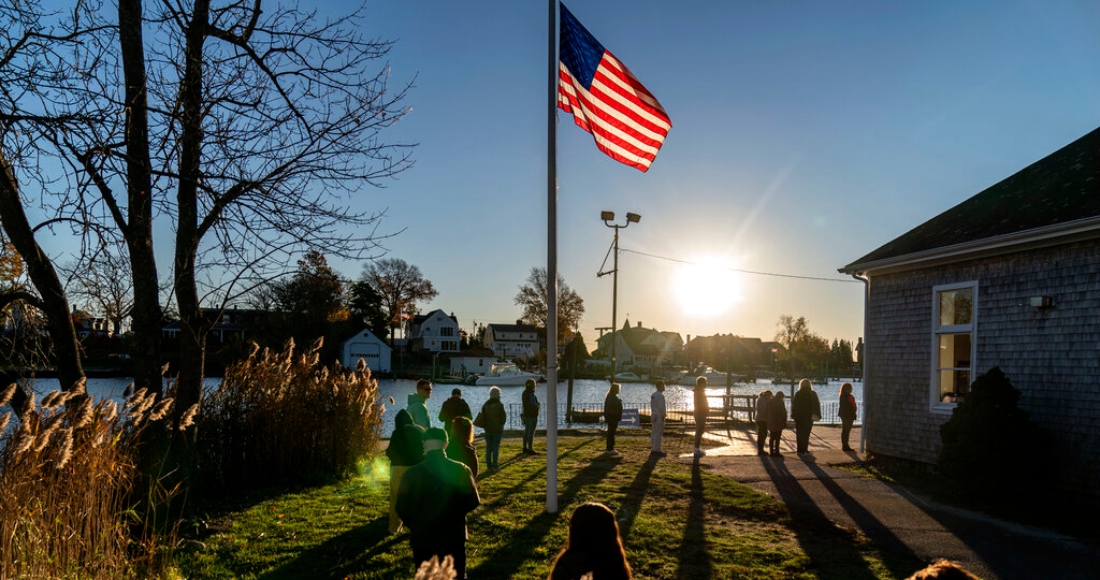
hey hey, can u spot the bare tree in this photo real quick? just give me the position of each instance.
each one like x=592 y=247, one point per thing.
x=104 y=284
x=400 y=285
x=246 y=129
x=532 y=297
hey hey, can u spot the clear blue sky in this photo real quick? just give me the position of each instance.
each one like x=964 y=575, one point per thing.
x=805 y=135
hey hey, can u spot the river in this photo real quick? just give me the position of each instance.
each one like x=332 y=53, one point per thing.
x=586 y=394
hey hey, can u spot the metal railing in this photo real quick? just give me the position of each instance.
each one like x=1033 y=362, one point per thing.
x=588 y=414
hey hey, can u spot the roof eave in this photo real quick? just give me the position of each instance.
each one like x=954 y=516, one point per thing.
x=1057 y=234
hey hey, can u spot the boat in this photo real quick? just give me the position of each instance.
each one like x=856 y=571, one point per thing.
x=714 y=378
x=628 y=377
x=505 y=374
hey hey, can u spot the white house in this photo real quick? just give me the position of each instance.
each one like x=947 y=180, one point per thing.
x=508 y=341
x=365 y=345
x=472 y=363
x=435 y=331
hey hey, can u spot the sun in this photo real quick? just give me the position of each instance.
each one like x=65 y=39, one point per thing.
x=707 y=287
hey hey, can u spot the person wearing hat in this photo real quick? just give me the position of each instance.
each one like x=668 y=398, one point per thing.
x=433 y=499
x=455 y=406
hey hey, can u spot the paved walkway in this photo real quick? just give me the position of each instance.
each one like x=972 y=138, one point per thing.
x=890 y=515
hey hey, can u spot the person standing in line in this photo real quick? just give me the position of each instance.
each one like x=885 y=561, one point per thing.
x=777 y=421
x=702 y=410
x=405 y=449
x=492 y=418
x=805 y=409
x=460 y=444
x=417 y=404
x=434 y=497
x=847 y=414
x=593 y=547
x=612 y=413
x=454 y=406
x=530 y=416
x=762 y=401
x=657 y=412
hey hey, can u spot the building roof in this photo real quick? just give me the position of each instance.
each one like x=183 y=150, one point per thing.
x=1059 y=194
x=512 y=327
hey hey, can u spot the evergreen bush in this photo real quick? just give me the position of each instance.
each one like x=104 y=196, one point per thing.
x=991 y=448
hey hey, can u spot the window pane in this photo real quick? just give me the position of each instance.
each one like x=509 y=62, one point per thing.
x=956 y=306
x=947 y=386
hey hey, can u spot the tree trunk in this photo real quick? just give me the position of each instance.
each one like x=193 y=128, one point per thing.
x=146 y=315
x=54 y=304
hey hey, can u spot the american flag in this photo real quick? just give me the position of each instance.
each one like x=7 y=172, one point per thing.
x=606 y=99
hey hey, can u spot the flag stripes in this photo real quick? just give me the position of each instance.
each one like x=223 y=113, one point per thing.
x=624 y=118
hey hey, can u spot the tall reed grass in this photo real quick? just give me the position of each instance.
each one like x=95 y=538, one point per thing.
x=67 y=472
x=281 y=418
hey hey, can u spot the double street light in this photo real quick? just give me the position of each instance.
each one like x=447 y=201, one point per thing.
x=608 y=217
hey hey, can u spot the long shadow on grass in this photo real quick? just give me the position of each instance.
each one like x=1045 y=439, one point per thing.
x=897 y=556
x=694 y=561
x=635 y=495
x=833 y=555
x=505 y=562
x=340 y=555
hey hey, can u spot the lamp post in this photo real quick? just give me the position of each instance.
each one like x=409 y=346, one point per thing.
x=608 y=217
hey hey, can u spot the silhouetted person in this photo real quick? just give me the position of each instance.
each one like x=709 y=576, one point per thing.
x=530 y=416
x=434 y=497
x=702 y=410
x=657 y=413
x=805 y=409
x=454 y=406
x=847 y=413
x=593 y=546
x=493 y=419
x=762 y=401
x=405 y=449
x=612 y=413
x=460 y=444
x=777 y=421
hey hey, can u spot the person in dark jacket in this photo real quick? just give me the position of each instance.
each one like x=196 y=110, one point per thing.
x=493 y=419
x=847 y=413
x=434 y=497
x=762 y=420
x=612 y=413
x=805 y=409
x=454 y=406
x=592 y=547
x=460 y=444
x=405 y=449
x=777 y=421
x=530 y=416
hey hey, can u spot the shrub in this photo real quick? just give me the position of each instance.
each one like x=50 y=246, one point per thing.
x=67 y=472
x=991 y=449
x=280 y=418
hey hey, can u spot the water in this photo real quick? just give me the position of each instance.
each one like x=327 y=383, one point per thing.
x=586 y=393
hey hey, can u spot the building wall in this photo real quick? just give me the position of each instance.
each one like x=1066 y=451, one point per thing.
x=1051 y=355
x=371 y=349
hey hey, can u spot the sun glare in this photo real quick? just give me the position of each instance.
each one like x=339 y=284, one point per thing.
x=706 y=287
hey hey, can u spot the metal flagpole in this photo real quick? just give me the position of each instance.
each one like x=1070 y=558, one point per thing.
x=552 y=268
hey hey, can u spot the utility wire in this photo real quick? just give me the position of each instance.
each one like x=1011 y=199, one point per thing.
x=742 y=271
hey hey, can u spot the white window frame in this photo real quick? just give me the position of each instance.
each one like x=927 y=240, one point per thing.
x=935 y=404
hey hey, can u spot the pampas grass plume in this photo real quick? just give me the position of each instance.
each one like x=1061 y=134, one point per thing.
x=7 y=394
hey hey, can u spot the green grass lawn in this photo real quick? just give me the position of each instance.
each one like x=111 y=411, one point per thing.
x=677 y=520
